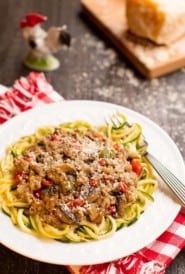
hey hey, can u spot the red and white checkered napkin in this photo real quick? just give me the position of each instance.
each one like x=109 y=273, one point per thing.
x=35 y=90
x=152 y=259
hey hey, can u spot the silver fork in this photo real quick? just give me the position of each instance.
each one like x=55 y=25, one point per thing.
x=168 y=177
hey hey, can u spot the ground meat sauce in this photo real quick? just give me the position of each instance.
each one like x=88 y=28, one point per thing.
x=70 y=175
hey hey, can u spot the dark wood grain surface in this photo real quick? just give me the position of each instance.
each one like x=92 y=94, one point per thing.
x=90 y=69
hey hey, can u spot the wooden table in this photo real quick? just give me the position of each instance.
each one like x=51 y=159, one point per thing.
x=90 y=69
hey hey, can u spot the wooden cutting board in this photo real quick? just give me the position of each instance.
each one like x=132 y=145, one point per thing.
x=151 y=60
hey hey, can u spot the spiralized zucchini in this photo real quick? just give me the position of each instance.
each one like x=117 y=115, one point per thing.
x=126 y=135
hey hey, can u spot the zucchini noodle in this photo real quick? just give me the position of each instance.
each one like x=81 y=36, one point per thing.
x=127 y=136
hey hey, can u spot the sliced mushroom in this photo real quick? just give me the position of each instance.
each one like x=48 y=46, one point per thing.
x=90 y=194
x=121 y=202
x=66 y=215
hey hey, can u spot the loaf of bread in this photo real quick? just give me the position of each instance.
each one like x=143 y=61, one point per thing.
x=162 y=21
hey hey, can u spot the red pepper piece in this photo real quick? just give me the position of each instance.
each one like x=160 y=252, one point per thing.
x=45 y=183
x=76 y=202
x=53 y=137
x=122 y=187
x=102 y=162
x=136 y=166
x=20 y=176
x=94 y=182
x=116 y=147
x=112 y=209
x=37 y=193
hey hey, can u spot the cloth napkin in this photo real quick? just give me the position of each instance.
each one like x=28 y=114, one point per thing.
x=33 y=90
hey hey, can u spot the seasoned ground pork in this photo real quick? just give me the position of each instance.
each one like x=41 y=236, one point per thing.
x=69 y=176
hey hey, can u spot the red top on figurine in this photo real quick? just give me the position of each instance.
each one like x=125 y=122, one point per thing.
x=32 y=19
x=42 y=43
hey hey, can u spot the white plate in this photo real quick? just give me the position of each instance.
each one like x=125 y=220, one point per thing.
x=157 y=217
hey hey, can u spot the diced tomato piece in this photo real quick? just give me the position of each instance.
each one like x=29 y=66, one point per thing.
x=76 y=202
x=20 y=176
x=45 y=183
x=122 y=187
x=116 y=147
x=94 y=182
x=37 y=193
x=112 y=209
x=102 y=162
x=53 y=137
x=136 y=166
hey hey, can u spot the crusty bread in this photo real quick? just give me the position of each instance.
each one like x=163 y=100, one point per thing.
x=162 y=21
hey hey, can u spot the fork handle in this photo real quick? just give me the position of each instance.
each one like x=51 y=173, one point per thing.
x=169 y=178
